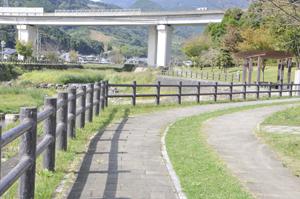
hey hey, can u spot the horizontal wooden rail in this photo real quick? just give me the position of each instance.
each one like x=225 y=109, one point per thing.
x=202 y=75
x=200 y=85
x=59 y=117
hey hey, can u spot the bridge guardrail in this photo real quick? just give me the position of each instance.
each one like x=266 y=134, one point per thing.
x=98 y=11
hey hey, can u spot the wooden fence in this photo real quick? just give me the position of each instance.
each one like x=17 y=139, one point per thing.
x=271 y=88
x=202 y=75
x=61 y=114
x=59 y=117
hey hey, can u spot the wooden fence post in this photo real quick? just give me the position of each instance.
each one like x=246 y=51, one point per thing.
x=49 y=129
x=28 y=150
x=133 y=92
x=62 y=118
x=291 y=90
x=179 y=93
x=106 y=93
x=97 y=98
x=281 y=87
x=81 y=105
x=157 y=93
x=102 y=95
x=230 y=91
x=245 y=91
x=72 y=112
x=89 y=100
x=198 y=93
x=270 y=89
x=216 y=91
x=257 y=90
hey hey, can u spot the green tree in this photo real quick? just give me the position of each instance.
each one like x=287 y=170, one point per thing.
x=224 y=59
x=194 y=47
x=257 y=39
x=109 y=47
x=74 y=56
x=24 y=49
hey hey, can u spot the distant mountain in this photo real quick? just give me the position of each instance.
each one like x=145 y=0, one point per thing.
x=189 y=3
x=147 y=5
x=51 y=5
x=177 y=5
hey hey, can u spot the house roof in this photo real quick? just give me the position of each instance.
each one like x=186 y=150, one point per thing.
x=9 y=52
x=265 y=54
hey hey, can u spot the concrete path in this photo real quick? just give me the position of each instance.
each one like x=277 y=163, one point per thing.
x=252 y=162
x=125 y=160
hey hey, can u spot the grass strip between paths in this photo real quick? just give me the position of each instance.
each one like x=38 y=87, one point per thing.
x=286 y=145
x=46 y=181
x=201 y=171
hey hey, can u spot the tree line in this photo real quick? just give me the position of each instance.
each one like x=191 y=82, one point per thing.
x=267 y=25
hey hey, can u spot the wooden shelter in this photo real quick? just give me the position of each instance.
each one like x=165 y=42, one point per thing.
x=265 y=54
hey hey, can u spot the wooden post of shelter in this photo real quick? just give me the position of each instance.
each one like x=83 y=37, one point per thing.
x=250 y=69
x=258 y=70
x=245 y=70
x=265 y=54
x=282 y=71
x=278 y=74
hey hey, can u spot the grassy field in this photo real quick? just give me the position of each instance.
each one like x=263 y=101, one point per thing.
x=14 y=97
x=286 y=145
x=103 y=67
x=270 y=72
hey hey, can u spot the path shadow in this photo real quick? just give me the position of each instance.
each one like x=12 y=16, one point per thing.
x=112 y=171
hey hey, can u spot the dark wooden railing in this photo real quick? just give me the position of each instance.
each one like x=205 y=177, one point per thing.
x=59 y=117
x=202 y=75
x=61 y=114
x=271 y=88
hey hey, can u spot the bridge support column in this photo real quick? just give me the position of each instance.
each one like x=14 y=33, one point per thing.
x=164 y=44
x=152 y=46
x=26 y=33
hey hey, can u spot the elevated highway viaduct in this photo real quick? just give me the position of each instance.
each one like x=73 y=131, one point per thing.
x=160 y=24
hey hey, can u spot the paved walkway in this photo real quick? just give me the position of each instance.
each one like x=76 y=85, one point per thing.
x=251 y=160
x=125 y=160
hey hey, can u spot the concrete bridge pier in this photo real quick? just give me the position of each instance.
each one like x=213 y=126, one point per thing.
x=26 y=33
x=152 y=46
x=160 y=45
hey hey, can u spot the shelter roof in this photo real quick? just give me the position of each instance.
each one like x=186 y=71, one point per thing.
x=265 y=54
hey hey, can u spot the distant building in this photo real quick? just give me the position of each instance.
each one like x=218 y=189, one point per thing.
x=202 y=8
x=8 y=52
